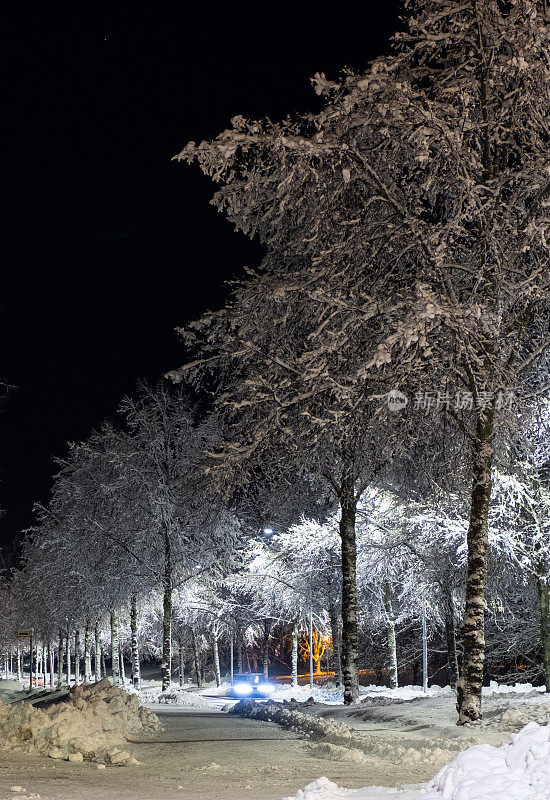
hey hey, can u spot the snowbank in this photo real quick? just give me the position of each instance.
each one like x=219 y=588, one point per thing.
x=323 y=789
x=91 y=726
x=337 y=740
x=516 y=771
x=517 y=716
x=517 y=688
x=174 y=697
x=329 y=692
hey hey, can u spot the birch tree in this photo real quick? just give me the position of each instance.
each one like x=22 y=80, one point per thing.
x=189 y=532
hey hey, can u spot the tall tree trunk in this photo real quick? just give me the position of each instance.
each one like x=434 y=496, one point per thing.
x=181 y=667
x=76 y=657
x=36 y=666
x=335 y=625
x=51 y=653
x=424 y=650
x=19 y=671
x=544 y=597
x=239 y=651
x=267 y=631
x=115 y=659
x=97 y=653
x=216 y=654
x=349 y=590
x=450 y=635
x=390 y=631
x=122 y=670
x=198 y=675
x=473 y=625
x=87 y=653
x=44 y=665
x=295 y=656
x=31 y=655
x=68 y=657
x=136 y=672
x=166 y=665
x=59 y=660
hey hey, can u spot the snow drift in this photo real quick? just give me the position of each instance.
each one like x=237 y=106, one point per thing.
x=92 y=725
x=337 y=740
x=519 y=770
x=174 y=697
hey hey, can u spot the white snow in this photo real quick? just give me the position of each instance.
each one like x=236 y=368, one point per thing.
x=517 y=688
x=519 y=770
x=90 y=725
x=323 y=789
x=173 y=697
x=330 y=693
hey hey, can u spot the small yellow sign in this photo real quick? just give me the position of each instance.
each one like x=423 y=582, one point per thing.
x=24 y=634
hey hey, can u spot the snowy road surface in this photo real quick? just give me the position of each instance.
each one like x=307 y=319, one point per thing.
x=203 y=752
x=269 y=767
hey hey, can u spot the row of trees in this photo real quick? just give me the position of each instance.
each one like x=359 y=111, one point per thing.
x=259 y=591
x=131 y=511
x=405 y=229
x=256 y=608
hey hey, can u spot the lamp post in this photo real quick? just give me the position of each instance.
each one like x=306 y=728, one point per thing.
x=310 y=643
x=424 y=650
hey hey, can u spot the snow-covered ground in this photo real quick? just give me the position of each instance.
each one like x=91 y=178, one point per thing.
x=176 y=696
x=406 y=727
x=519 y=770
x=329 y=693
x=395 y=740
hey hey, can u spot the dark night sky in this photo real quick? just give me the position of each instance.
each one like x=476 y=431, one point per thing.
x=108 y=244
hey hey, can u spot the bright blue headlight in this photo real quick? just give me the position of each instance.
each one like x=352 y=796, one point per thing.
x=266 y=688
x=242 y=688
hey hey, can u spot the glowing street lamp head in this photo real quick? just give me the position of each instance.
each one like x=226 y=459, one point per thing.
x=268 y=531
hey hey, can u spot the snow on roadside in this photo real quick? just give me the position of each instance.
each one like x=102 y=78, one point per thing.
x=519 y=770
x=518 y=715
x=323 y=789
x=173 y=697
x=90 y=725
x=517 y=688
x=329 y=737
x=330 y=693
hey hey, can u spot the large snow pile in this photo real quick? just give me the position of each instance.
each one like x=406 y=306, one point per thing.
x=516 y=771
x=337 y=740
x=92 y=725
x=174 y=697
x=290 y=717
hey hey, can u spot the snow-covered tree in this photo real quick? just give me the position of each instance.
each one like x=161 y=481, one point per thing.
x=405 y=226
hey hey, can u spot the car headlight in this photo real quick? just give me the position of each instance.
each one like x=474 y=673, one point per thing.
x=266 y=688
x=242 y=688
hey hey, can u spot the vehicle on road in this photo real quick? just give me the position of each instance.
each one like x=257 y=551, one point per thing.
x=251 y=684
